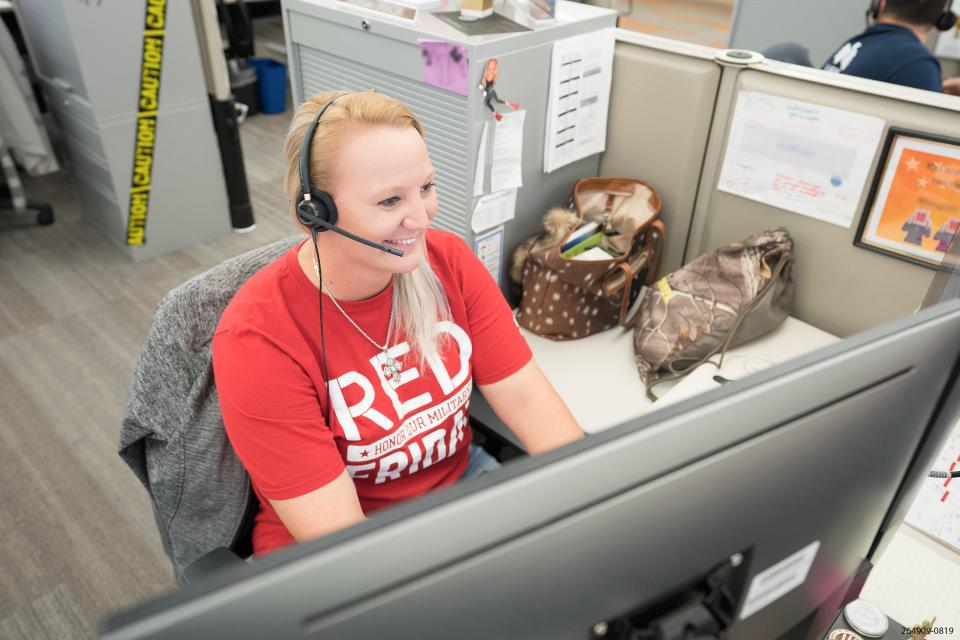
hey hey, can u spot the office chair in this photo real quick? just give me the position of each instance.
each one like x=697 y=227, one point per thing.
x=172 y=434
x=12 y=197
x=792 y=52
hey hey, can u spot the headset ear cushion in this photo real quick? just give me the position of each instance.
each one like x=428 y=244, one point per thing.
x=324 y=205
x=946 y=21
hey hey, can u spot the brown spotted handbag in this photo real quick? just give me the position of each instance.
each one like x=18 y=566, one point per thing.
x=584 y=283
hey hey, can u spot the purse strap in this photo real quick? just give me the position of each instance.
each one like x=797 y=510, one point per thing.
x=724 y=344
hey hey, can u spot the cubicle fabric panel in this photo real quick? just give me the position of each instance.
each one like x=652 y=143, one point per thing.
x=841 y=288
x=661 y=107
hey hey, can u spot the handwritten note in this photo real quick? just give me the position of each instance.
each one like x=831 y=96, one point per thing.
x=799 y=156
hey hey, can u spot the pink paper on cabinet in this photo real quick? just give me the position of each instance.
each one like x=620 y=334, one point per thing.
x=445 y=65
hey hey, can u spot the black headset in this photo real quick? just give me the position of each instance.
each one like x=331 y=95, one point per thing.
x=945 y=22
x=316 y=209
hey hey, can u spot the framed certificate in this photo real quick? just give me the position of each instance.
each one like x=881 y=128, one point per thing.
x=913 y=210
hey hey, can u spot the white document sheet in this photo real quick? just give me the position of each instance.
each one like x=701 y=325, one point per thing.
x=936 y=509
x=506 y=168
x=480 y=177
x=493 y=210
x=799 y=156
x=581 y=71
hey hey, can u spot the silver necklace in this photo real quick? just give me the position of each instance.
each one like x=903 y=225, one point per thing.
x=391 y=367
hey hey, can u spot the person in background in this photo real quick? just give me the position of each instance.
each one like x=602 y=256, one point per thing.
x=893 y=48
x=344 y=373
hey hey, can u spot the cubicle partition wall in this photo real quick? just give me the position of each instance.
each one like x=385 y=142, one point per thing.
x=671 y=110
x=661 y=108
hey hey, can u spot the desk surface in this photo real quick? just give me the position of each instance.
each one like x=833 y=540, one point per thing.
x=597 y=377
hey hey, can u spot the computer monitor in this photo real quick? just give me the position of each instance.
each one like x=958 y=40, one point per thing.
x=946 y=281
x=747 y=508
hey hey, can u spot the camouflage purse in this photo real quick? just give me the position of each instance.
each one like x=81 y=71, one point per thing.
x=720 y=300
x=582 y=282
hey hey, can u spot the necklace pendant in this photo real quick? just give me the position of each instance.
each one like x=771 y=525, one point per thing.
x=391 y=369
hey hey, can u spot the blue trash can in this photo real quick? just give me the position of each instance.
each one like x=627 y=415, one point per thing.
x=272 y=81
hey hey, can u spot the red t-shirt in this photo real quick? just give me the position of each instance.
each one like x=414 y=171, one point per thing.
x=397 y=441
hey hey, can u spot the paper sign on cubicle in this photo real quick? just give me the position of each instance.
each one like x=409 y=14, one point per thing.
x=493 y=210
x=489 y=248
x=799 y=156
x=581 y=71
x=506 y=169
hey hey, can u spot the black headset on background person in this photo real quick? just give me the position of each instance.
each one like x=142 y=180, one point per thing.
x=945 y=22
x=316 y=209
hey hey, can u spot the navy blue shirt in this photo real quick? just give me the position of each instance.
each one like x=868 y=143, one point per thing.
x=888 y=53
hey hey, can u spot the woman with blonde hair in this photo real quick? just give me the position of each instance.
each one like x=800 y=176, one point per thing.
x=344 y=369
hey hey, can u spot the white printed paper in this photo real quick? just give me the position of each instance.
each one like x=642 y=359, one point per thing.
x=506 y=170
x=489 y=248
x=581 y=70
x=779 y=580
x=480 y=176
x=799 y=156
x=493 y=210
x=936 y=509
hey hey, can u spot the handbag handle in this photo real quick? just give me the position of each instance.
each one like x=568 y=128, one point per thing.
x=612 y=282
x=610 y=285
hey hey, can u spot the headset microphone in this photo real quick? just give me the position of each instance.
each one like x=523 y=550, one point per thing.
x=317 y=224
